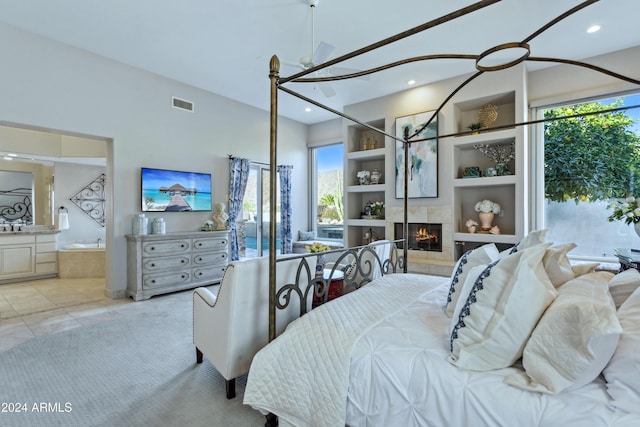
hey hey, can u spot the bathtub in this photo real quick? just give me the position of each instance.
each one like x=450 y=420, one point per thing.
x=84 y=247
x=81 y=261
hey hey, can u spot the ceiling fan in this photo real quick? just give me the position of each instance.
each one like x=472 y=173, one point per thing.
x=318 y=56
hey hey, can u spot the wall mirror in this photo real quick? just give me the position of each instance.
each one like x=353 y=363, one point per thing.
x=16 y=197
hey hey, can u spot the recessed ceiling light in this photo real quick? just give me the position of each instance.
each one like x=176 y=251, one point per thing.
x=308 y=109
x=411 y=82
x=593 y=29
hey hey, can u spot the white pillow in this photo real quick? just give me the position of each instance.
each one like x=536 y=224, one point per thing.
x=624 y=284
x=584 y=268
x=532 y=239
x=574 y=339
x=479 y=256
x=623 y=371
x=557 y=265
x=500 y=311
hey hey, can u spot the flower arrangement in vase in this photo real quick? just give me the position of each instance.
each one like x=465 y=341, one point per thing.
x=501 y=154
x=627 y=210
x=363 y=177
x=486 y=211
x=377 y=208
x=317 y=247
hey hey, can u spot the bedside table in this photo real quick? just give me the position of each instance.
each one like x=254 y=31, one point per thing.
x=628 y=258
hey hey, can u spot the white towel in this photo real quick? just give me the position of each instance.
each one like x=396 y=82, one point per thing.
x=63 y=221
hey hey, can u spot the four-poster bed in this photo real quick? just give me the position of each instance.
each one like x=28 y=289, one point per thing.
x=384 y=352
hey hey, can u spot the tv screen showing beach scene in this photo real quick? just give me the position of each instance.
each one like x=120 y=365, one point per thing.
x=175 y=191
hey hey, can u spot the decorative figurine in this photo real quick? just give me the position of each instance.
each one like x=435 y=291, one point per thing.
x=221 y=216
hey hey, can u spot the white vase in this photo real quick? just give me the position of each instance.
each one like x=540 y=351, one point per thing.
x=486 y=218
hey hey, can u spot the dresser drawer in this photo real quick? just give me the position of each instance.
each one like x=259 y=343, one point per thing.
x=208 y=258
x=212 y=273
x=215 y=243
x=165 y=279
x=149 y=265
x=170 y=247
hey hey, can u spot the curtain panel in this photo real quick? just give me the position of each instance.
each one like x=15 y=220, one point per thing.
x=238 y=174
x=286 y=211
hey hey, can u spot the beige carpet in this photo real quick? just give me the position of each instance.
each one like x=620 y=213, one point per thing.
x=136 y=371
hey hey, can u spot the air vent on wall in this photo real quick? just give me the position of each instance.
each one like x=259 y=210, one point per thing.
x=181 y=104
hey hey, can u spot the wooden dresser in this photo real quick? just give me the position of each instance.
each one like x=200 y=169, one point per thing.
x=162 y=263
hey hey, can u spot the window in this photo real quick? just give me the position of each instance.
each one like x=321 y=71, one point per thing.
x=588 y=161
x=256 y=210
x=326 y=193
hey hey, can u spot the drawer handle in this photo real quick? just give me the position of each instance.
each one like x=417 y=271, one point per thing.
x=183 y=261
x=153 y=264
x=199 y=273
x=182 y=245
x=153 y=281
x=182 y=276
x=199 y=244
x=199 y=258
x=153 y=248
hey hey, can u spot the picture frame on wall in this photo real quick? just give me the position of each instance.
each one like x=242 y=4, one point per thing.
x=423 y=157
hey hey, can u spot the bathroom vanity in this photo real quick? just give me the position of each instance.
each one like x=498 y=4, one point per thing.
x=28 y=255
x=162 y=263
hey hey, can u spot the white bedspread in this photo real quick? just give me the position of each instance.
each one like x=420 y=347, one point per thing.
x=308 y=391
x=397 y=370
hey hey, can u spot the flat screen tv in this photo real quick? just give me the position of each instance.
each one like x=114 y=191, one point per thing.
x=175 y=191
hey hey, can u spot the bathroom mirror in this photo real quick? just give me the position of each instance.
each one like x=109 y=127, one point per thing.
x=16 y=197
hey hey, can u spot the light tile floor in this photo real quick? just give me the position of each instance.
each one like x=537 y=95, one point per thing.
x=43 y=307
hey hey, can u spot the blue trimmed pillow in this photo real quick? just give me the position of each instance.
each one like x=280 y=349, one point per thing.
x=306 y=235
x=479 y=256
x=498 y=307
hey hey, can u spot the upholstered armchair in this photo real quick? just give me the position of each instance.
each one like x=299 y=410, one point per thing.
x=231 y=327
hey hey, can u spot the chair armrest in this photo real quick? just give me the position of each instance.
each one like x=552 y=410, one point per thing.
x=206 y=295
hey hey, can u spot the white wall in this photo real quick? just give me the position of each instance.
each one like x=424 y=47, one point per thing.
x=49 y=85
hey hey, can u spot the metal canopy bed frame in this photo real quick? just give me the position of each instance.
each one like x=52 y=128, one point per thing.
x=277 y=84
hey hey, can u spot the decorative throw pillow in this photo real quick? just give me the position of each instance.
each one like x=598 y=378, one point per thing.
x=622 y=285
x=557 y=265
x=306 y=235
x=479 y=256
x=501 y=309
x=574 y=339
x=623 y=371
x=584 y=268
x=532 y=239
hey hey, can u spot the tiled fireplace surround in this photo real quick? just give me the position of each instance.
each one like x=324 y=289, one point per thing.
x=426 y=262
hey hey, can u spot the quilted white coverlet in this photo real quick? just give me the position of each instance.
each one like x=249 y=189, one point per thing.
x=303 y=375
x=397 y=370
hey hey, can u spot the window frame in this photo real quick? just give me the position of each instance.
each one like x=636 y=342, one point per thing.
x=313 y=183
x=536 y=156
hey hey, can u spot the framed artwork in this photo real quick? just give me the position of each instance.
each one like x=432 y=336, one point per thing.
x=423 y=157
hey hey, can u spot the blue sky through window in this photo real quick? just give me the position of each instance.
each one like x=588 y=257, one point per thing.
x=330 y=158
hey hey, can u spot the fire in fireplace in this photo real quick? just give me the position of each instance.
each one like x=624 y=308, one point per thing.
x=422 y=236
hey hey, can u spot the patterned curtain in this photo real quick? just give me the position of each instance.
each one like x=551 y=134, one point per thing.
x=238 y=174
x=285 y=209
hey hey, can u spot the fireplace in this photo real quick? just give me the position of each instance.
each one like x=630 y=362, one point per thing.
x=422 y=236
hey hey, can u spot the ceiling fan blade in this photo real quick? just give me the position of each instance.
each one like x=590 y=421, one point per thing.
x=322 y=53
x=291 y=64
x=326 y=89
x=339 y=71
